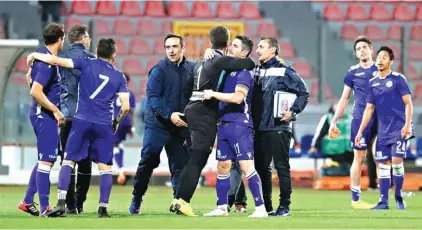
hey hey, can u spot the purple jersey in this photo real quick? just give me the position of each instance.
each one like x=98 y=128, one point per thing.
x=357 y=78
x=99 y=84
x=49 y=77
x=127 y=120
x=386 y=94
x=238 y=81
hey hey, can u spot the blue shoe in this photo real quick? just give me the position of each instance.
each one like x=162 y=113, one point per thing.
x=282 y=211
x=134 y=208
x=400 y=204
x=381 y=206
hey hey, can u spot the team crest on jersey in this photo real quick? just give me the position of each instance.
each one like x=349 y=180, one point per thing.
x=389 y=84
x=375 y=73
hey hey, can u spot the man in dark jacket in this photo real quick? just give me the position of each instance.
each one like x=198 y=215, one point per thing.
x=79 y=37
x=164 y=126
x=279 y=95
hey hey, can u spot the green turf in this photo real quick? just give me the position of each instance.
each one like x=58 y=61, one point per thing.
x=310 y=209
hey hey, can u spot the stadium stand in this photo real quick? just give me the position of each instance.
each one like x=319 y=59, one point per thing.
x=137 y=54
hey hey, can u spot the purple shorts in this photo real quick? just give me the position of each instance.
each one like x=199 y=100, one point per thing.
x=47 y=132
x=367 y=134
x=235 y=142
x=384 y=152
x=121 y=133
x=98 y=137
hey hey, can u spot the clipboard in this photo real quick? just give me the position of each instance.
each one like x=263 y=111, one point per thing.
x=283 y=101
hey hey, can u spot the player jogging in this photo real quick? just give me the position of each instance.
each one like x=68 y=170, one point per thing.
x=126 y=127
x=235 y=133
x=356 y=80
x=94 y=122
x=45 y=117
x=390 y=96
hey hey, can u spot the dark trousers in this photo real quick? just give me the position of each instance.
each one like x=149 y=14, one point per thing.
x=273 y=145
x=50 y=7
x=84 y=173
x=154 y=141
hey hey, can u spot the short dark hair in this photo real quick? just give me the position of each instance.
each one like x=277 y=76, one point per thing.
x=219 y=37
x=182 y=41
x=52 y=33
x=127 y=76
x=77 y=32
x=388 y=50
x=106 y=48
x=361 y=39
x=247 y=43
x=272 y=42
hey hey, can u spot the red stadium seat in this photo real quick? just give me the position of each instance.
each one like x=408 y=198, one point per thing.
x=286 y=50
x=349 y=32
x=201 y=10
x=328 y=91
x=303 y=69
x=102 y=27
x=333 y=12
x=81 y=8
x=357 y=12
x=123 y=27
x=226 y=10
x=154 y=9
x=70 y=22
x=130 y=8
x=151 y=63
x=412 y=73
x=379 y=12
x=403 y=13
x=133 y=66
x=177 y=10
x=396 y=51
x=418 y=91
x=159 y=47
x=121 y=47
x=106 y=8
x=140 y=47
x=394 y=32
x=249 y=10
x=415 y=52
x=19 y=79
x=374 y=32
x=250 y=30
x=166 y=27
x=148 y=27
x=416 y=32
x=418 y=13
x=267 y=29
x=21 y=65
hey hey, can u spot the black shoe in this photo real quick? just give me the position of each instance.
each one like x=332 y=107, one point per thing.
x=80 y=209
x=72 y=211
x=102 y=213
x=57 y=211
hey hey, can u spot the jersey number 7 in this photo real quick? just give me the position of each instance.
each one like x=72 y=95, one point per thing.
x=103 y=84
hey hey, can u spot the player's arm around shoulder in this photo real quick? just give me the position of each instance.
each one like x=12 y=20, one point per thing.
x=51 y=59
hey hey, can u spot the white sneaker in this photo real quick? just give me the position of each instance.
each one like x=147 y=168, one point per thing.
x=259 y=212
x=219 y=211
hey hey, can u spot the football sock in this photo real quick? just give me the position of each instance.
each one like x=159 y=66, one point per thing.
x=254 y=183
x=398 y=177
x=384 y=181
x=222 y=188
x=43 y=185
x=106 y=181
x=32 y=187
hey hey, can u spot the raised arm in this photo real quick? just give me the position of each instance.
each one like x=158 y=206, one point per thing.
x=51 y=59
x=230 y=64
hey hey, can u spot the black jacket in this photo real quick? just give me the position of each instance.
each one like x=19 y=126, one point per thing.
x=270 y=77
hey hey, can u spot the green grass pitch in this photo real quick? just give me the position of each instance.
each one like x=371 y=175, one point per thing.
x=310 y=209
